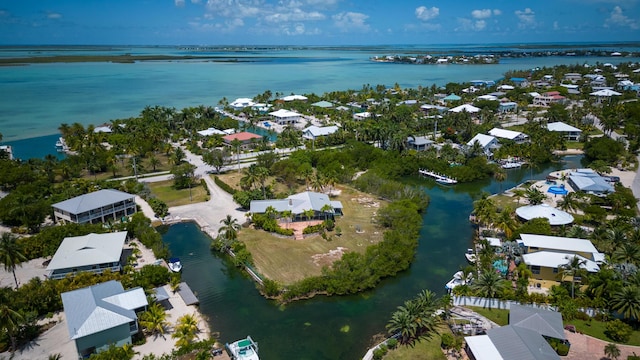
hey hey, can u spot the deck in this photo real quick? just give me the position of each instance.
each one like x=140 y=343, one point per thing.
x=187 y=295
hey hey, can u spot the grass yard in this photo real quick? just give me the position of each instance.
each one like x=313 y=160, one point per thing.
x=423 y=350
x=499 y=316
x=164 y=191
x=125 y=168
x=574 y=145
x=287 y=260
x=597 y=328
x=232 y=178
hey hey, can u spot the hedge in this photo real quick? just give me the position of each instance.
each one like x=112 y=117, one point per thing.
x=224 y=186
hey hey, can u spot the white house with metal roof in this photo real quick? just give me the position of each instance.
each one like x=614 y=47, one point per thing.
x=101 y=315
x=515 y=136
x=89 y=253
x=298 y=204
x=568 y=131
x=313 y=132
x=487 y=142
x=95 y=207
x=283 y=117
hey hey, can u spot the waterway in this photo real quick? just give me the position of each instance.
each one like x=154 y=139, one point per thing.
x=337 y=327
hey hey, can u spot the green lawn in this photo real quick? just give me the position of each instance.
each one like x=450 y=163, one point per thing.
x=164 y=191
x=424 y=350
x=596 y=329
x=574 y=145
x=499 y=316
x=287 y=260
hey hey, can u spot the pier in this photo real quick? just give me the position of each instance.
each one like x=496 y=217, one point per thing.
x=441 y=179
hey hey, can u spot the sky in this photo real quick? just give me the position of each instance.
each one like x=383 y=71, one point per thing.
x=315 y=22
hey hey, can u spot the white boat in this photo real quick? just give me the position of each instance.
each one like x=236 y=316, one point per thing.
x=175 y=265
x=243 y=349
x=512 y=165
x=470 y=255
x=458 y=280
x=61 y=145
x=440 y=179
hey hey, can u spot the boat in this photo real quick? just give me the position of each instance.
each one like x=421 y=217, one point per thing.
x=458 y=280
x=243 y=349
x=175 y=265
x=470 y=255
x=440 y=179
x=446 y=181
x=512 y=165
x=61 y=145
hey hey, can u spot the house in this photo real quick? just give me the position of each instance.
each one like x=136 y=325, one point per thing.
x=544 y=255
x=284 y=117
x=89 y=253
x=522 y=82
x=419 y=143
x=487 y=142
x=569 y=132
x=95 y=207
x=101 y=315
x=323 y=104
x=524 y=338
x=361 y=115
x=313 y=132
x=6 y=149
x=548 y=98
x=294 y=98
x=241 y=103
x=515 y=136
x=590 y=182
x=451 y=97
x=298 y=204
x=246 y=139
x=211 y=131
x=572 y=77
x=507 y=106
x=465 y=108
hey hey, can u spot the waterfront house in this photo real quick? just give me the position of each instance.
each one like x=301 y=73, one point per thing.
x=488 y=143
x=6 y=149
x=361 y=115
x=572 y=77
x=589 y=181
x=465 y=108
x=294 y=98
x=419 y=143
x=518 y=81
x=545 y=255
x=246 y=139
x=285 y=117
x=211 y=131
x=89 y=253
x=101 y=315
x=555 y=216
x=507 y=106
x=298 y=204
x=451 y=97
x=524 y=337
x=515 y=136
x=323 y=104
x=548 y=98
x=313 y=132
x=95 y=207
x=241 y=103
x=569 y=132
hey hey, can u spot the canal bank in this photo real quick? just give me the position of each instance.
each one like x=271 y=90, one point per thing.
x=336 y=327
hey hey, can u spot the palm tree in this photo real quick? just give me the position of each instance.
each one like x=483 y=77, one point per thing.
x=326 y=209
x=627 y=253
x=154 y=320
x=505 y=222
x=270 y=212
x=11 y=254
x=485 y=209
x=186 y=330
x=570 y=202
x=10 y=322
x=288 y=215
x=490 y=284
x=500 y=176
x=309 y=214
x=535 y=196
x=612 y=351
x=518 y=194
x=572 y=268
x=230 y=227
x=402 y=323
x=627 y=302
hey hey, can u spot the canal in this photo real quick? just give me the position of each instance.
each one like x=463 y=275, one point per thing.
x=336 y=327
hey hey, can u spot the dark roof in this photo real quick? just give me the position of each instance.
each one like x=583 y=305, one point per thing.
x=519 y=343
x=545 y=322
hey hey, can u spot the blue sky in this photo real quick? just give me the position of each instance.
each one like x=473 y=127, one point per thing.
x=316 y=22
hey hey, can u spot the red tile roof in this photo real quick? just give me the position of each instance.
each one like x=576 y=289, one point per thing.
x=241 y=136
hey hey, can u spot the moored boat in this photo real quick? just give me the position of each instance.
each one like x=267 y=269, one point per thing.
x=457 y=280
x=243 y=349
x=175 y=265
x=470 y=255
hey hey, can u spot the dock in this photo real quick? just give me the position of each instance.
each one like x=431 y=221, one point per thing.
x=442 y=179
x=187 y=295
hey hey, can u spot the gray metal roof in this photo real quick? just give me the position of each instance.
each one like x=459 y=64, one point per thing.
x=514 y=342
x=297 y=203
x=91 y=249
x=590 y=181
x=544 y=322
x=93 y=200
x=88 y=313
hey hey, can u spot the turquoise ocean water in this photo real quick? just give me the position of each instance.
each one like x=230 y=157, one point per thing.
x=37 y=98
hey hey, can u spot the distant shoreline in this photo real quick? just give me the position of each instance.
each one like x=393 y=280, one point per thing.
x=121 y=59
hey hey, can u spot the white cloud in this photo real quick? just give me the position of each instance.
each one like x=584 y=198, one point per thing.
x=346 y=21
x=527 y=18
x=423 y=13
x=297 y=29
x=54 y=15
x=497 y=12
x=235 y=8
x=481 y=14
x=294 y=15
x=179 y=3
x=618 y=18
x=471 y=25
x=196 y=1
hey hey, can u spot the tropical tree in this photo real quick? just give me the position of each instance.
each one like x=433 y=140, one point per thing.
x=326 y=209
x=500 y=175
x=185 y=330
x=535 y=196
x=154 y=320
x=10 y=321
x=627 y=302
x=309 y=214
x=570 y=202
x=415 y=320
x=612 y=351
x=518 y=194
x=230 y=228
x=11 y=255
x=505 y=222
x=572 y=267
x=627 y=253
x=489 y=284
x=288 y=215
x=216 y=158
x=485 y=209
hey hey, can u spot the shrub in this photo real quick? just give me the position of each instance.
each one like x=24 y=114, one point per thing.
x=562 y=349
x=224 y=186
x=618 y=331
x=204 y=185
x=313 y=229
x=633 y=357
x=447 y=341
x=329 y=224
x=392 y=343
x=380 y=352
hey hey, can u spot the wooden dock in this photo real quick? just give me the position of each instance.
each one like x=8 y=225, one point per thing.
x=187 y=295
